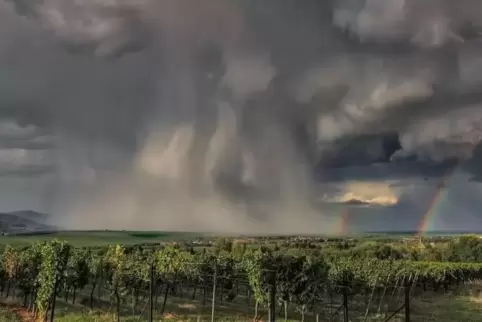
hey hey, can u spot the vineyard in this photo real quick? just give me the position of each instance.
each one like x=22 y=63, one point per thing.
x=144 y=282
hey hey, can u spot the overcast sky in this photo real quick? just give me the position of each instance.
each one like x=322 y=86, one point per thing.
x=91 y=94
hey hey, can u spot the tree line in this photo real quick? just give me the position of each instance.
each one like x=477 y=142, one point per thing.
x=466 y=248
x=45 y=271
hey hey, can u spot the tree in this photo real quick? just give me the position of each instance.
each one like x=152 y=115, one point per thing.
x=258 y=265
x=96 y=272
x=222 y=244
x=117 y=264
x=465 y=249
x=226 y=276
x=289 y=270
x=11 y=264
x=55 y=255
x=171 y=264
x=30 y=264
x=77 y=272
x=238 y=249
x=310 y=283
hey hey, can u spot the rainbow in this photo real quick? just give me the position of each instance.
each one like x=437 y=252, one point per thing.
x=344 y=222
x=436 y=202
x=425 y=224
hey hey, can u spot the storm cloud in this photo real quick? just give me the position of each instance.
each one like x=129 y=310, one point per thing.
x=224 y=114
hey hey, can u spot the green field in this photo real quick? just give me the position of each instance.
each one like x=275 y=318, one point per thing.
x=109 y=237
x=98 y=238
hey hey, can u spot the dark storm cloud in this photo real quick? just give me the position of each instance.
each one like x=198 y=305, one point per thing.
x=27 y=171
x=26 y=162
x=355 y=82
x=474 y=165
x=389 y=171
x=35 y=144
x=25 y=151
x=43 y=85
x=104 y=28
x=409 y=67
x=360 y=150
x=381 y=79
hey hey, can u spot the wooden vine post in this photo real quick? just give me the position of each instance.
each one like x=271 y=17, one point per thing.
x=345 y=302
x=151 y=291
x=215 y=277
x=272 y=298
x=407 y=300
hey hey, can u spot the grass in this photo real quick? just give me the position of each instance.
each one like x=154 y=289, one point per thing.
x=94 y=317
x=464 y=304
x=105 y=238
x=448 y=308
x=430 y=308
x=97 y=238
x=7 y=315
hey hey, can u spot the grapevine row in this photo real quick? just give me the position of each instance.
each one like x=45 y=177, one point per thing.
x=45 y=270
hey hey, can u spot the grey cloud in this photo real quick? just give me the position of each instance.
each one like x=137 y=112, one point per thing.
x=431 y=23
x=25 y=151
x=27 y=171
x=360 y=150
x=11 y=129
x=388 y=171
x=39 y=143
x=453 y=134
x=105 y=28
x=379 y=82
x=402 y=70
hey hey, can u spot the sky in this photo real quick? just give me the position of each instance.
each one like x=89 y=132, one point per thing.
x=187 y=115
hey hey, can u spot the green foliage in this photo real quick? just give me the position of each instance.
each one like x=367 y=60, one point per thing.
x=390 y=272
x=77 y=270
x=30 y=264
x=226 y=274
x=222 y=244
x=11 y=261
x=239 y=249
x=172 y=262
x=301 y=280
x=465 y=249
x=258 y=264
x=95 y=262
x=117 y=269
x=6 y=315
x=55 y=255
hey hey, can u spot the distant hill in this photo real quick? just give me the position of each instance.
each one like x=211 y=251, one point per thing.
x=18 y=221
x=29 y=214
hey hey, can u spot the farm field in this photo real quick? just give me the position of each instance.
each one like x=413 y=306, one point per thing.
x=107 y=276
x=96 y=238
